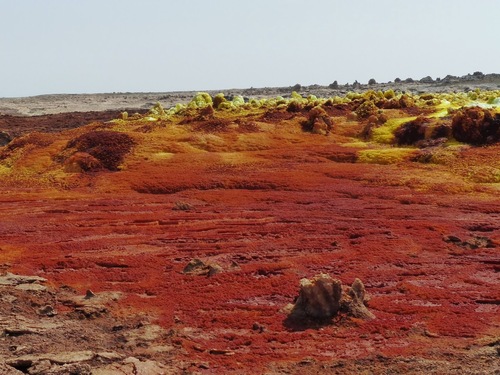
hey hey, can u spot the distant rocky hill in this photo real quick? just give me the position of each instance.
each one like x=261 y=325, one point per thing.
x=61 y=103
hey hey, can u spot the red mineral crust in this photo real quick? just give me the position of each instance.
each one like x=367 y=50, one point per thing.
x=255 y=210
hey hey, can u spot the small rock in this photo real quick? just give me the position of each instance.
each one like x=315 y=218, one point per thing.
x=194 y=265
x=47 y=311
x=334 y=85
x=40 y=367
x=452 y=239
x=258 y=327
x=307 y=362
x=20 y=350
x=427 y=79
x=89 y=294
x=221 y=352
x=479 y=242
x=146 y=367
x=198 y=267
x=182 y=206
x=356 y=306
x=214 y=269
x=473 y=243
x=5 y=138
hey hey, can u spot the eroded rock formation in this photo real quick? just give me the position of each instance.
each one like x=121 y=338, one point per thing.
x=322 y=298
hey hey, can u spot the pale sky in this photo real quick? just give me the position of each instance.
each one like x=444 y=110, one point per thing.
x=94 y=46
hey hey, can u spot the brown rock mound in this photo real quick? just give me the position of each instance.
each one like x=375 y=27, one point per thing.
x=319 y=298
x=323 y=298
x=108 y=148
x=198 y=267
x=476 y=126
x=412 y=132
x=318 y=121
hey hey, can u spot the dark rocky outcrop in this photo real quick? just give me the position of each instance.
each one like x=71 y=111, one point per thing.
x=476 y=126
x=107 y=147
x=5 y=138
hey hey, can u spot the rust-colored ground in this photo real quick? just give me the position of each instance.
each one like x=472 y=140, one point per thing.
x=19 y=125
x=270 y=204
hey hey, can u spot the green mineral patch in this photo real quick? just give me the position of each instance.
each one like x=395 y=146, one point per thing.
x=385 y=133
x=385 y=156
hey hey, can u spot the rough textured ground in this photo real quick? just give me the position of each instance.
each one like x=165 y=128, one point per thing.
x=19 y=125
x=266 y=204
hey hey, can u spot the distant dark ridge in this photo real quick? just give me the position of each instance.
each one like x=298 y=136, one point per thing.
x=425 y=84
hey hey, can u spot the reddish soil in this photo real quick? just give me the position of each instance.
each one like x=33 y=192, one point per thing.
x=19 y=125
x=424 y=243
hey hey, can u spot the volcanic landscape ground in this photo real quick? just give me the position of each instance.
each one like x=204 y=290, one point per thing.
x=101 y=212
